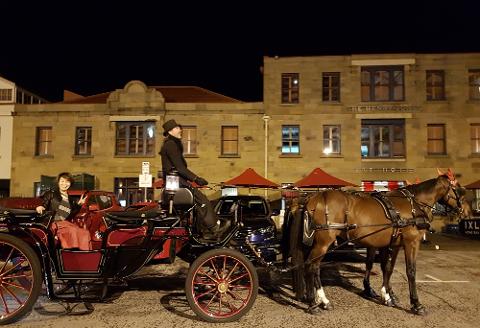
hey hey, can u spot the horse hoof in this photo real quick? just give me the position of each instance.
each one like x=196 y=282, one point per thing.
x=389 y=303
x=327 y=306
x=419 y=310
x=314 y=309
x=369 y=293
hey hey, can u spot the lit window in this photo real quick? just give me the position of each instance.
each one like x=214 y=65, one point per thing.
x=383 y=138
x=83 y=144
x=331 y=139
x=380 y=83
x=290 y=139
x=435 y=85
x=135 y=138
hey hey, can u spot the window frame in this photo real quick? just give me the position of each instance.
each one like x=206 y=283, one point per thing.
x=331 y=139
x=6 y=95
x=223 y=140
x=188 y=142
x=475 y=138
x=48 y=141
x=432 y=88
x=290 y=90
x=474 y=84
x=331 y=89
x=144 y=138
x=374 y=146
x=291 y=139
x=443 y=139
x=372 y=85
x=87 y=143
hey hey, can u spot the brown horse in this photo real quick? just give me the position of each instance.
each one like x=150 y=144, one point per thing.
x=398 y=219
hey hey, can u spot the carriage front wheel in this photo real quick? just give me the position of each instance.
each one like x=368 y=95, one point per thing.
x=20 y=278
x=221 y=285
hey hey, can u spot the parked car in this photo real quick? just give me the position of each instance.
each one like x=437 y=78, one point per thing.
x=254 y=215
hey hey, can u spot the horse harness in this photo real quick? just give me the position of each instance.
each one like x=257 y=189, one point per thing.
x=392 y=214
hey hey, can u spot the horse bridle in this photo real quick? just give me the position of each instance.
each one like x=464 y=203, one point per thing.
x=459 y=208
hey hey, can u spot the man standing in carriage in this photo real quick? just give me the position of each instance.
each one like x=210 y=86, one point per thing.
x=172 y=159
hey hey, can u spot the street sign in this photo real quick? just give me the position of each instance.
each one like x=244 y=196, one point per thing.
x=145 y=167
x=145 y=180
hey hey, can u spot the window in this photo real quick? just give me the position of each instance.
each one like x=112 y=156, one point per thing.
x=475 y=138
x=290 y=139
x=474 y=83
x=380 y=83
x=290 y=88
x=435 y=85
x=229 y=140
x=331 y=139
x=5 y=94
x=135 y=138
x=128 y=191
x=436 y=139
x=83 y=137
x=331 y=86
x=383 y=138
x=189 y=140
x=43 y=141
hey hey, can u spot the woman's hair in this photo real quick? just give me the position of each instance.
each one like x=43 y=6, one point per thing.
x=66 y=176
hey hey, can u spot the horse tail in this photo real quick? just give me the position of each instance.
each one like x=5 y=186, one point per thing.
x=296 y=251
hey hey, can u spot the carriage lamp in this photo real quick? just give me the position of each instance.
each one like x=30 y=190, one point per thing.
x=172 y=182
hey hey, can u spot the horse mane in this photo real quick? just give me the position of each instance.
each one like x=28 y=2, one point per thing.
x=426 y=186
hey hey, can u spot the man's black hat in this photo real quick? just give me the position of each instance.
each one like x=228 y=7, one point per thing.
x=169 y=125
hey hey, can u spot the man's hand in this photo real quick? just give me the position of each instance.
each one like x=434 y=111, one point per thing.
x=200 y=181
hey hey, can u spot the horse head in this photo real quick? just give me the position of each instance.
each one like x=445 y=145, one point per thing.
x=455 y=196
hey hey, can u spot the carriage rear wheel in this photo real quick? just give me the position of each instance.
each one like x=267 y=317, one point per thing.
x=20 y=278
x=221 y=285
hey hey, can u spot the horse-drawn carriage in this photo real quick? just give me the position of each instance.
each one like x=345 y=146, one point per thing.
x=221 y=284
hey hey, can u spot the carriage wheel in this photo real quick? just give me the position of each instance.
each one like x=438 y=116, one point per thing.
x=221 y=285
x=20 y=278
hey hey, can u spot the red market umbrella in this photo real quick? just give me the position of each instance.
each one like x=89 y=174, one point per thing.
x=250 y=178
x=320 y=179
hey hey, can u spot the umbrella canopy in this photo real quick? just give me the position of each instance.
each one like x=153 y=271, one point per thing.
x=320 y=179
x=473 y=185
x=250 y=178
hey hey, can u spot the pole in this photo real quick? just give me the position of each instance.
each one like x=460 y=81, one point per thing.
x=266 y=118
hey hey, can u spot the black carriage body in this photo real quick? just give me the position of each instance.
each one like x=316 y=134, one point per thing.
x=126 y=247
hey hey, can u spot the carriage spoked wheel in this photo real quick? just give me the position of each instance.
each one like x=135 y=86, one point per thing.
x=20 y=278
x=221 y=285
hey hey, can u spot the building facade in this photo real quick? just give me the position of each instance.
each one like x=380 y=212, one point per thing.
x=110 y=135
x=10 y=95
x=373 y=120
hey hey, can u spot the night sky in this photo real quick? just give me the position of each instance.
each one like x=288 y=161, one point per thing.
x=91 y=47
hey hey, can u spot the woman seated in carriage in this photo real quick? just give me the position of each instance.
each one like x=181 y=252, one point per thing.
x=64 y=206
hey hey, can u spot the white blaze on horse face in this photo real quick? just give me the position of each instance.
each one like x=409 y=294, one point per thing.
x=385 y=296
x=320 y=297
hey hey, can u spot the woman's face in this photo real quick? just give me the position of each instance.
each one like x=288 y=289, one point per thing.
x=63 y=184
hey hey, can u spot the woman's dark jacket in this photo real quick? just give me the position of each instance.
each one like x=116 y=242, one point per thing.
x=52 y=198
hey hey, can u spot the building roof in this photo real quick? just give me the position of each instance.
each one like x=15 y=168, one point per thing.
x=172 y=94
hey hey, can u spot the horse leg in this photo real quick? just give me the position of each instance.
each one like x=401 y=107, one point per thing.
x=388 y=259
x=367 y=288
x=411 y=251
x=315 y=294
x=387 y=275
